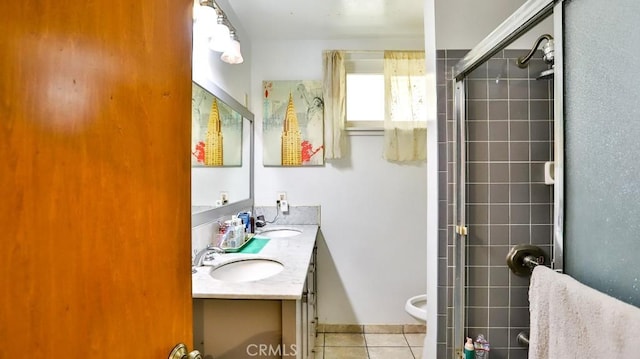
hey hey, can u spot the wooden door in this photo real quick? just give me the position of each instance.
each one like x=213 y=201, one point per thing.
x=95 y=178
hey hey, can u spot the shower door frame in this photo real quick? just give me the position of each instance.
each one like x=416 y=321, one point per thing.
x=522 y=20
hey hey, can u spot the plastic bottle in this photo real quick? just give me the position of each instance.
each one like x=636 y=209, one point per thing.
x=239 y=233
x=228 y=238
x=245 y=217
x=223 y=239
x=252 y=224
x=469 y=349
x=482 y=347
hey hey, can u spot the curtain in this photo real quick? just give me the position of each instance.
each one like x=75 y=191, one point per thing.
x=334 y=93
x=405 y=125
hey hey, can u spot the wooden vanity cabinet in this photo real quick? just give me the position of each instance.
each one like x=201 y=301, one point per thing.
x=257 y=328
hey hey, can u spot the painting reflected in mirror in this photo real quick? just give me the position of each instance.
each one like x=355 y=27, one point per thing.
x=216 y=133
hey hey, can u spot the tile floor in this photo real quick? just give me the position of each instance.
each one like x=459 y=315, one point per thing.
x=369 y=346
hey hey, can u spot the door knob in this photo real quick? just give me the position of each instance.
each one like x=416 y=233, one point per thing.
x=180 y=352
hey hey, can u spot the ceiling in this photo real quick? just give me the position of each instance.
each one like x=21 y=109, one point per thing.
x=326 y=19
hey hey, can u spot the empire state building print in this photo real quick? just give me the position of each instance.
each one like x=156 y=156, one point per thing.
x=293 y=123
x=290 y=144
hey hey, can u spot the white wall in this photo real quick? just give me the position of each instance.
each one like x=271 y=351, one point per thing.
x=462 y=24
x=373 y=211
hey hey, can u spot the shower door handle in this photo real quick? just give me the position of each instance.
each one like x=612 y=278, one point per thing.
x=462 y=230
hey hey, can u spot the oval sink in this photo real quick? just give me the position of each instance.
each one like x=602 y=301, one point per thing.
x=247 y=270
x=280 y=233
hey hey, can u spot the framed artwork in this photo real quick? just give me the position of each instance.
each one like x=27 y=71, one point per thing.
x=216 y=131
x=293 y=123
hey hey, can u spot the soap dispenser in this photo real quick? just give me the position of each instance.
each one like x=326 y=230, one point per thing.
x=469 y=349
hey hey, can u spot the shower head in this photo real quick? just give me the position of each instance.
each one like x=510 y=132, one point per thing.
x=547 y=56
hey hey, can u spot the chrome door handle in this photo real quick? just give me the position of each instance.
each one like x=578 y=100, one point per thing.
x=180 y=352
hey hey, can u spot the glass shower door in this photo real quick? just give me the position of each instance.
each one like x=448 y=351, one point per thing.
x=602 y=170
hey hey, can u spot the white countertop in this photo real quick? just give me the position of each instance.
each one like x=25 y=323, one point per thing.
x=293 y=252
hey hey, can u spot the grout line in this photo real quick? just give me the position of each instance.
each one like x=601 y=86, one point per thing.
x=366 y=346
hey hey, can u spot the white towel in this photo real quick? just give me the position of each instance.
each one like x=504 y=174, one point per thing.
x=571 y=320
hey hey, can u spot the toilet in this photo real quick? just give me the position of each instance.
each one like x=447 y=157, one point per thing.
x=417 y=307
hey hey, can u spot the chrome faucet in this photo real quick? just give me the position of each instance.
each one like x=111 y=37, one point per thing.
x=207 y=253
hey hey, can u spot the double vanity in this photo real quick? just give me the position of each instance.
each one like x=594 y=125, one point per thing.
x=261 y=304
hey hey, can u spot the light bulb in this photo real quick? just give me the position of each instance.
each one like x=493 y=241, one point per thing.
x=206 y=19
x=232 y=55
x=221 y=36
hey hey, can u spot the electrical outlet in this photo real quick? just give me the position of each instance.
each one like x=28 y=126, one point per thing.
x=282 y=196
x=224 y=197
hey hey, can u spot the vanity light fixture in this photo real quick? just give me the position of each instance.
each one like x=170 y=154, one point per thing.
x=218 y=30
x=232 y=54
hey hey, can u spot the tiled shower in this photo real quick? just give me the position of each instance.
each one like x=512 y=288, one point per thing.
x=509 y=138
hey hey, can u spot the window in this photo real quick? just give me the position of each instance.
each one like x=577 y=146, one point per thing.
x=365 y=100
x=364 y=87
x=386 y=89
x=365 y=91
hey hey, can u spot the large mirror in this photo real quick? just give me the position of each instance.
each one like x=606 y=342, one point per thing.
x=221 y=152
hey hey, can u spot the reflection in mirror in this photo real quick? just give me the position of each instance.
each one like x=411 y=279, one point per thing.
x=216 y=131
x=222 y=153
x=210 y=184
